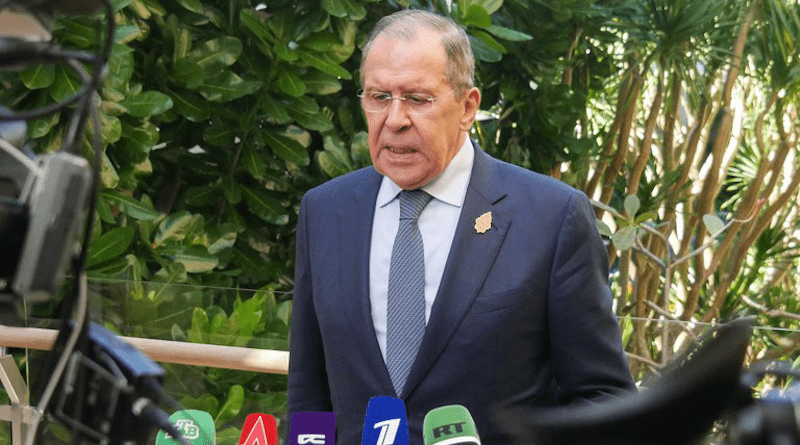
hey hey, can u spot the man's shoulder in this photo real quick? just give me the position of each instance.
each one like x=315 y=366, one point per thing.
x=356 y=182
x=519 y=180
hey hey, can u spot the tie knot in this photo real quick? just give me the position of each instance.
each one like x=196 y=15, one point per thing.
x=412 y=202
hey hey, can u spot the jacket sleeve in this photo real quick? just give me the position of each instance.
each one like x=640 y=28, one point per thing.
x=307 y=380
x=587 y=354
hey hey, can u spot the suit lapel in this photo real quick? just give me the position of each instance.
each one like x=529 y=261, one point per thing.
x=471 y=251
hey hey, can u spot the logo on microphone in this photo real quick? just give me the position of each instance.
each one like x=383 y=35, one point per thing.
x=388 y=431
x=313 y=439
x=449 y=429
x=187 y=428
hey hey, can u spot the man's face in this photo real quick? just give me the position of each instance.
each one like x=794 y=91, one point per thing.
x=413 y=149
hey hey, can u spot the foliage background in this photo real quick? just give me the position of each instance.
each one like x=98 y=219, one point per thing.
x=678 y=117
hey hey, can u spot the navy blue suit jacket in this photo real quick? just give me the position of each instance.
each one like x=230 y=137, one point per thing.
x=522 y=318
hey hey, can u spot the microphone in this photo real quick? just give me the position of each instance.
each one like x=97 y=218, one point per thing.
x=386 y=422
x=259 y=429
x=195 y=426
x=450 y=425
x=312 y=428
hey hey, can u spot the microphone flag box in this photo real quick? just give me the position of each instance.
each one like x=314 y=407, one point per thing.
x=196 y=426
x=386 y=422
x=313 y=428
x=450 y=425
x=259 y=429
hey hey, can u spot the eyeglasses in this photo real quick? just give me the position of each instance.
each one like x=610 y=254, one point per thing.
x=416 y=103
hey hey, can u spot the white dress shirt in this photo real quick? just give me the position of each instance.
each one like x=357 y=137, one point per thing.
x=437 y=224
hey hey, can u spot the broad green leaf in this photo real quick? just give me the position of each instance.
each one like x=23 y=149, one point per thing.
x=227 y=87
x=233 y=405
x=490 y=41
x=251 y=21
x=632 y=205
x=713 y=224
x=477 y=16
x=290 y=83
x=231 y=190
x=359 y=148
x=273 y=109
x=126 y=33
x=483 y=52
x=65 y=85
x=355 y=10
x=110 y=245
x=38 y=76
x=222 y=238
x=625 y=238
x=603 y=228
x=324 y=65
x=285 y=53
x=195 y=259
x=190 y=105
x=508 y=34
x=312 y=121
x=201 y=195
x=491 y=6
x=335 y=8
x=188 y=73
x=334 y=160
x=40 y=127
x=252 y=161
x=198 y=333
x=109 y=177
x=148 y=103
x=287 y=149
x=220 y=134
x=265 y=207
x=174 y=227
x=213 y=56
x=320 y=83
x=130 y=206
x=195 y=6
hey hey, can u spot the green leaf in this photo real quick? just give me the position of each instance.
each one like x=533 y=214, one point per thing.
x=290 y=83
x=265 y=207
x=273 y=109
x=483 y=52
x=603 y=228
x=322 y=84
x=195 y=259
x=508 y=34
x=287 y=149
x=195 y=6
x=489 y=41
x=110 y=245
x=312 y=121
x=335 y=159
x=191 y=106
x=65 y=85
x=130 y=206
x=174 y=227
x=632 y=205
x=477 y=16
x=625 y=238
x=213 y=56
x=38 y=76
x=227 y=87
x=233 y=405
x=491 y=6
x=220 y=134
x=252 y=161
x=231 y=190
x=324 y=65
x=335 y=8
x=148 y=103
x=713 y=224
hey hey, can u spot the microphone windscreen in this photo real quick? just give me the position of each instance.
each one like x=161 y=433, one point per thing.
x=196 y=426
x=450 y=425
x=259 y=429
x=312 y=428
x=386 y=422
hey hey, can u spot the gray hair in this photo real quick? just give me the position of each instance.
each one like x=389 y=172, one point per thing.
x=460 y=64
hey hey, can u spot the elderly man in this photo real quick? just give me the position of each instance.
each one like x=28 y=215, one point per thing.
x=441 y=275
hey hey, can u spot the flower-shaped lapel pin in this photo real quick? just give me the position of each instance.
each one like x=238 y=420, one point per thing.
x=483 y=223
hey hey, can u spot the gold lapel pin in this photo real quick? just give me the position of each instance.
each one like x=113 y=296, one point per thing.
x=483 y=223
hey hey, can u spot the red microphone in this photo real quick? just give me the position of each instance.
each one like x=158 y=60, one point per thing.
x=259 y=429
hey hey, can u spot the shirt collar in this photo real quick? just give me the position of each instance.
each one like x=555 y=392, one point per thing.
x=449 y=187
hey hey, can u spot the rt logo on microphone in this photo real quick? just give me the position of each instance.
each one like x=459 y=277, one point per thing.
x=313 y=439
x=449 y=429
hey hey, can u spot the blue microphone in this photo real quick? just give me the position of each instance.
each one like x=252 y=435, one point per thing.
x=386 y=422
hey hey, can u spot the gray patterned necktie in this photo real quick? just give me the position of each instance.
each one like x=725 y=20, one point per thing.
x=405 y=318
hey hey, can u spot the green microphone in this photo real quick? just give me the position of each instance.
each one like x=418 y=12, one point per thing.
x=450 y=425
x=196 y=427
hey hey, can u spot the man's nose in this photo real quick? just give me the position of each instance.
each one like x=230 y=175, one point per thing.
x=397 y=117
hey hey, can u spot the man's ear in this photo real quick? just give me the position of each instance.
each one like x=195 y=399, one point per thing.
x=471 y=104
